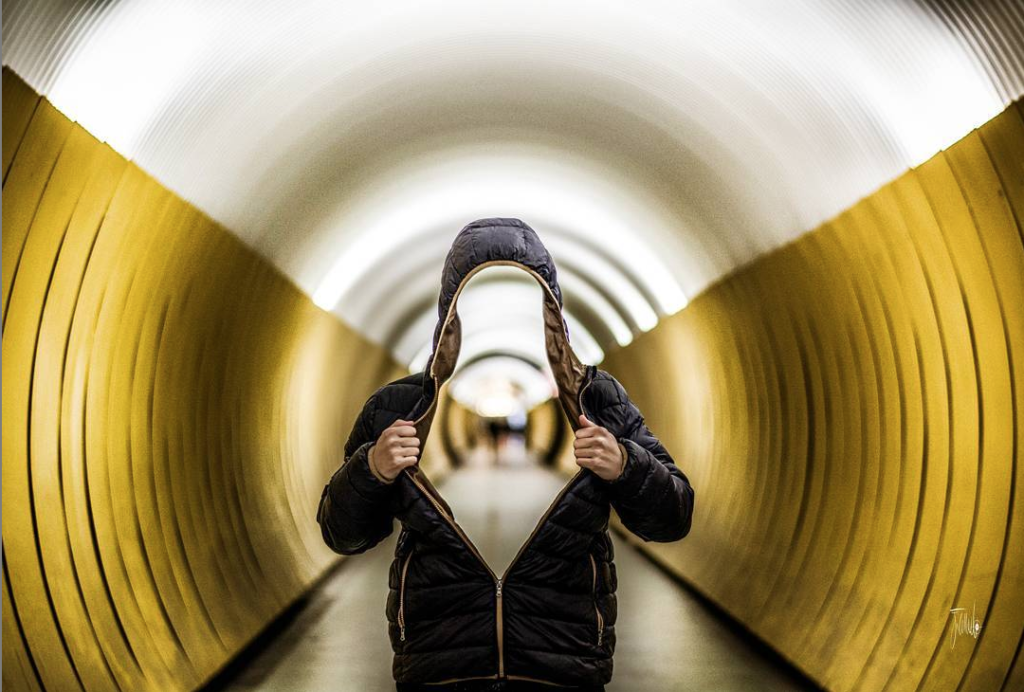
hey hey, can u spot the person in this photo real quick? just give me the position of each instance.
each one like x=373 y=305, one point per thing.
x=547 y=622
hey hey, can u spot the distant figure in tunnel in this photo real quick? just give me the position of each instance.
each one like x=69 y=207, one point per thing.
x=547 y=622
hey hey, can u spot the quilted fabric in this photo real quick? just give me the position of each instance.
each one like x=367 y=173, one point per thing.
x=551 y=617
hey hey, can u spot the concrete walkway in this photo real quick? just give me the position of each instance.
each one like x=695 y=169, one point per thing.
x=667 y=639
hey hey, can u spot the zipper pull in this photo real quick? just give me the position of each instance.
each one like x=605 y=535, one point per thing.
x=499 y=588
x=403 y=633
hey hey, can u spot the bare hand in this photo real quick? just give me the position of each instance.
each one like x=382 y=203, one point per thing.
x=396 y=448
x=598 y=450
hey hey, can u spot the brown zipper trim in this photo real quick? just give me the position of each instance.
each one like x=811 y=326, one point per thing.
x=501 y=630
x=413 y=475
x=451 y=680
x=499 y=580
x=529 y=539
x=522 y=548
x=543 y=682
x=600 y=618
x=401 y=593
x=450 y=520
x=447 y=681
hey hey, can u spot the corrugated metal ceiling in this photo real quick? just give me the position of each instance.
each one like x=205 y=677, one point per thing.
x=656 y=146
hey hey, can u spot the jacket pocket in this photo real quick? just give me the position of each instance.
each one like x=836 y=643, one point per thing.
x=401 y=593
x=593 y=597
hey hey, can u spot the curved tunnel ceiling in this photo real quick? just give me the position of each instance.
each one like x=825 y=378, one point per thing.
x=655 y=147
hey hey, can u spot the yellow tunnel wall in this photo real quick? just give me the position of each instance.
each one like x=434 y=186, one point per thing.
x=457 y=422
x=172 y=407
x=543 y=430
x=848 y=409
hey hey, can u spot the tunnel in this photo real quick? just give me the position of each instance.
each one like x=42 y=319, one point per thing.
x=793 y=232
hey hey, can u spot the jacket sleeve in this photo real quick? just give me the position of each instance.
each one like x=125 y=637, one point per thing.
x=354 y=512
x=653 y=497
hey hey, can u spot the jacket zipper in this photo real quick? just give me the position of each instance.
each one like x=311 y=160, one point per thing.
x=401 y=594
x=498 y=581
x=600 y=618
x=501 y=629
x=554 y=503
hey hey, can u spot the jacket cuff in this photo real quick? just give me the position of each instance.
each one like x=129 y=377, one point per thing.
x=625 y=457
x=363 y=478
x=373 y=468
x=633 y=472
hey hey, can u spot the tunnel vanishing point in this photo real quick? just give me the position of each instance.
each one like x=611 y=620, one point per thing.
x=793 y=231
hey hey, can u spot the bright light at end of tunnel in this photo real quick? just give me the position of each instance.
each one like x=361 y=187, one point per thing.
x=497 y=404
x=502 y=385
x=521 y=336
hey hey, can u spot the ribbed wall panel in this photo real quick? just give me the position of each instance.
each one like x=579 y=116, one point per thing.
x=172 y=406
x=849 y=410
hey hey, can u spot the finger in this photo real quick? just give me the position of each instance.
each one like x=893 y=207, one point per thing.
x=585 y=462
x=407 y=460
x=586 y=422
x=589 y=442
x=587 y=432
x=407 y=441
x=404 y=430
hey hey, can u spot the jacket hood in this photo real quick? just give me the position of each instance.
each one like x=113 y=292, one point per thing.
x=490 y=242
x=493 y=241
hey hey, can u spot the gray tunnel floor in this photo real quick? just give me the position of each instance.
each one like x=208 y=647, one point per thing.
x=667 y=639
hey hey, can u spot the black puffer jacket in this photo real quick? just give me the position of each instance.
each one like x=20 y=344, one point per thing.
x=551 y=616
